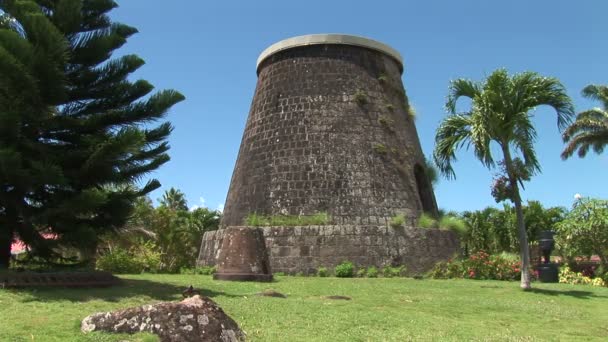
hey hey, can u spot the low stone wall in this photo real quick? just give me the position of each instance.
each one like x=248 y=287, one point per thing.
x=304 y=249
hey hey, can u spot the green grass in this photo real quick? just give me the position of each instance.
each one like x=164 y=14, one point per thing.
x=381 y=309
x=257 y=220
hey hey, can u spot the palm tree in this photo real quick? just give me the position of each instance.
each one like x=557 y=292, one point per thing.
x=174 y=199
x=590 y=129
x=500 y=113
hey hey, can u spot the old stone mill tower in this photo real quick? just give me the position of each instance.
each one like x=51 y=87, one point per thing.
x=330 y=130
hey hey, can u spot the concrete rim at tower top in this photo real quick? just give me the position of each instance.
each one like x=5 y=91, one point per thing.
x=316 y=39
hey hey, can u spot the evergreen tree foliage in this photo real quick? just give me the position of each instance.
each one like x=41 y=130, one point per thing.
x=72 y=136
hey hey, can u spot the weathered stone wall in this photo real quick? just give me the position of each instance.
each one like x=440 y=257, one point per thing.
x=329 y=130
x=304 y=249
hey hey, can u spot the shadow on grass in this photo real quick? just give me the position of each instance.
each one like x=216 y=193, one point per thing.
x=570 y=293
x=126 y=289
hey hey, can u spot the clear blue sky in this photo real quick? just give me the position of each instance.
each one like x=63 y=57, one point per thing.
x=207 y=50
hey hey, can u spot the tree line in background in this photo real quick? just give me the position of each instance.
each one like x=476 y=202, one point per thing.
x=165 y=239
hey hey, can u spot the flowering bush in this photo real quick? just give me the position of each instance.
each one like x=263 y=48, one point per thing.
x=480 y=265
x=567 y=276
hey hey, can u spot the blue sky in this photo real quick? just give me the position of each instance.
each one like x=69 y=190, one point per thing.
x=207 y=50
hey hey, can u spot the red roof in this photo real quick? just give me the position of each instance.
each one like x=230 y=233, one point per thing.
x=18 y=246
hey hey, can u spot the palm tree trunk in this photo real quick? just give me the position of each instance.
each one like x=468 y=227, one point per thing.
x=524 y=250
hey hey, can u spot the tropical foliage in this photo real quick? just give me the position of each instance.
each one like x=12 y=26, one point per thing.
x=73 y=144
x=584 y=231
x=590 y=129
x=170 y=231
x=500 y=114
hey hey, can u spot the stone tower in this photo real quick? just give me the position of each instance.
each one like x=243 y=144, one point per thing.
x=330 y=130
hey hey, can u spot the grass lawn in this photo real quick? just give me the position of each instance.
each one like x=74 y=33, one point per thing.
x=394 y=309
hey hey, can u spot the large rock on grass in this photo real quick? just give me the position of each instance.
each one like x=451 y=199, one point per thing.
x=193 y=319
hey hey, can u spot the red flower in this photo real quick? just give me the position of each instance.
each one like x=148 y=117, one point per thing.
x=471 y=274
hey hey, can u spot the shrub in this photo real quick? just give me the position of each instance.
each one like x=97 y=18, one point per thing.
x=446 y=270
x=360 y=97
x=256 y=220
x=345 y=270
x=143 y=257
x=397 y=221
x=148 y=256
x=584 y=231
x=454 y=224
x=480 y=265
x=380 y=148
x=567 y=276
x=427 y=221
x=387 y=122
x=118 y=261
x=322 y=272
x=361 y=273
x=203 y=270
x=390 y=272
x=372 y=272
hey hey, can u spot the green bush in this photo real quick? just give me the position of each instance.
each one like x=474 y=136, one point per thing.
x=203 y=270
x=372 y=272
x=397 y=221
x=390 y=272
x=427 y=221
x=360 y=97
x=143 y=257
x=256 y=220
x=361 y=273
x=453 y=223
x=322 y=272
x=119 y=261
x=567 y=276
x=380 y=148
x=584 y=231
x=345 y=270
x=480 y=265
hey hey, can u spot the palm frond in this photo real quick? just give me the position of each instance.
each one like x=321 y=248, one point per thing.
x=459 y=88
x=549 y=91
x=598 y=93
x=584 y=141
x=453 y=133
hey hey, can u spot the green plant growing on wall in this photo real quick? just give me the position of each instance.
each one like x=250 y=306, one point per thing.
x=387 y=122
x=257 y=220
x=361 y=97
x=427 y=221
x=389 y=107
x=383 y=78
x=397 y=221
x=380 y=148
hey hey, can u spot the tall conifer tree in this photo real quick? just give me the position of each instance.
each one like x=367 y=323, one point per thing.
x=72 y=141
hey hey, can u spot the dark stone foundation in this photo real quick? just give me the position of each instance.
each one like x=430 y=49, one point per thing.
x=304 y=249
